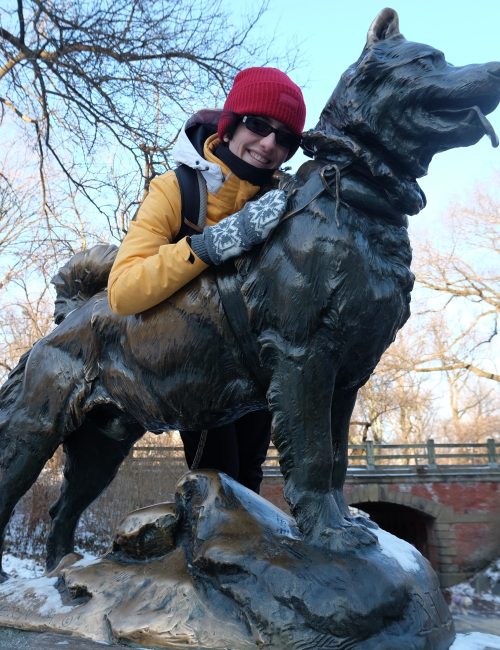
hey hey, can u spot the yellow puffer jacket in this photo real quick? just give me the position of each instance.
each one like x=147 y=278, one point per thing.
x=148 y=267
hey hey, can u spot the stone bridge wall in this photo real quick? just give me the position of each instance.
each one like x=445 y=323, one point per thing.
x=453 y=512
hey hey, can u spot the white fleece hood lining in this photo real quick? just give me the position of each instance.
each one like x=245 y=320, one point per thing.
x=183 y=152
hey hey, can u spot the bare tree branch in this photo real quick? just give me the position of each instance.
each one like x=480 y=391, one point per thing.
x=92 y=97
x=458 y=365
x=463 y=284
x=114 y=76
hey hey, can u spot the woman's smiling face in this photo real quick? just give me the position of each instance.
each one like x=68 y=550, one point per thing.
x=257 y=150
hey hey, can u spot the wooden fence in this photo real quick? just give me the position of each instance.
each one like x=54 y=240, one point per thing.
x=430 y=454
x=370 y=455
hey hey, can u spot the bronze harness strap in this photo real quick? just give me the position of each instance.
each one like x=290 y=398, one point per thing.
x=324 y=174
x=228 y=283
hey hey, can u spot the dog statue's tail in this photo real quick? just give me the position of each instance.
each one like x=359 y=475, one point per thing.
x=84 y=275
x=10 y=389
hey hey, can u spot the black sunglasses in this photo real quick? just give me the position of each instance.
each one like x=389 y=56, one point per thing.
x=259 y=126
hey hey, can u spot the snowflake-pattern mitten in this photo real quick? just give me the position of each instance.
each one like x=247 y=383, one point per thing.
x=242 y=230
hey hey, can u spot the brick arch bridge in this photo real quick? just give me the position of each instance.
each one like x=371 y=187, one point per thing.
x=444 y=499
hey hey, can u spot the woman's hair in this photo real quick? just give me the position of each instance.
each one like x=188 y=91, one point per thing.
x=233 y=120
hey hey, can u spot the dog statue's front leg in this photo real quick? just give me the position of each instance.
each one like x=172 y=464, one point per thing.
x=300 y=398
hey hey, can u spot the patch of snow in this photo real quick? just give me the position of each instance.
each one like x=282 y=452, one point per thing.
x=21 y=567
x=42 y=591
x=24 y=568
x=404 y=553
x=53 y=603
x=480 y=594
x=476 y=641
x=493 y=571
x=86 y=560
x=28 y=582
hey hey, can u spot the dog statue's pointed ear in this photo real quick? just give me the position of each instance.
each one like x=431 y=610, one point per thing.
x=385 y=25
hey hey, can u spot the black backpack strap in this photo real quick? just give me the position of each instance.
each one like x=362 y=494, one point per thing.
x=194 y=195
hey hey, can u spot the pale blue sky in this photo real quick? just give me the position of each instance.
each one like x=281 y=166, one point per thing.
x=331 y=35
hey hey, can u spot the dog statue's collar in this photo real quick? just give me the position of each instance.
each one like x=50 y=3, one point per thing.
x=348 y=185
x=370 y=181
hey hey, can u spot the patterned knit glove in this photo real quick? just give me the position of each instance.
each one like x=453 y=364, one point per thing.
x=242 y=230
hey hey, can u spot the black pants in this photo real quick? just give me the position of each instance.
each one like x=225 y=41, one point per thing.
x=238 y=449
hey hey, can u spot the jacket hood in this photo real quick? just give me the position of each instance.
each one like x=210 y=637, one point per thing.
x=188 y=148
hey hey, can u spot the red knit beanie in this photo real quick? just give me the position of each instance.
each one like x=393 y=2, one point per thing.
x=264 y=91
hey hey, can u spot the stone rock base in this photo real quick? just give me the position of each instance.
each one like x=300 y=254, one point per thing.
x=223 y=568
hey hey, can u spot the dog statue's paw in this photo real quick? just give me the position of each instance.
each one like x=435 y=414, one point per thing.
x=346 y=538
x=365 y=522
x=326 y=522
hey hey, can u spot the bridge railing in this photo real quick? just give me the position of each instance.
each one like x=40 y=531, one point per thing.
x=369 y=454
x=430 y=454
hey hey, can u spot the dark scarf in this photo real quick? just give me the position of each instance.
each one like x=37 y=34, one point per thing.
x=242 y=169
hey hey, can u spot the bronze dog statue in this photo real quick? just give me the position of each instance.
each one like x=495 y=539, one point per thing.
x=299 y=324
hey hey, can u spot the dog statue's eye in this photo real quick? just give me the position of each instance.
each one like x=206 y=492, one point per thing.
x=432 y=60
x=438 y=58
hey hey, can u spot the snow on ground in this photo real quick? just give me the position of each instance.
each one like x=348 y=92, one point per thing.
x=26 y=568
x=480 y=594
x=466 y=595
x=18 y=567
x=476 y=641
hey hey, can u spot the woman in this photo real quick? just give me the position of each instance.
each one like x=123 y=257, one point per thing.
x=237 y=151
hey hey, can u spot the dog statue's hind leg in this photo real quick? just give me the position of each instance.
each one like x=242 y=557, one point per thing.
x=28 y=438
x=41 y=403
x=24 y=454
x=92 y=461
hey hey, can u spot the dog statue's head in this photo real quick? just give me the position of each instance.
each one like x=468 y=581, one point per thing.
x=403 y=102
